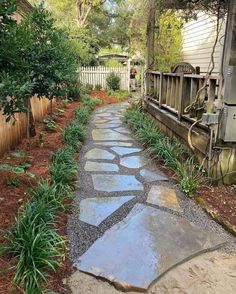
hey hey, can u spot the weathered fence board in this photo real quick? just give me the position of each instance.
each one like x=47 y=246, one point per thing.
x=97 y=75
x=11 y=134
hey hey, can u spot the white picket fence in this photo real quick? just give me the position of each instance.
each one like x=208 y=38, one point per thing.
x=96 y=75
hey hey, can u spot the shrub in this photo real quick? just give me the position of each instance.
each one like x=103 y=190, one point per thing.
x=113 y=82
x=98 y=87
x=86 y=89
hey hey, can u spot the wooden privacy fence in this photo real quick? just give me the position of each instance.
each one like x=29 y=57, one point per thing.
x=11 y=134
x=97 y=75
x=175 y=92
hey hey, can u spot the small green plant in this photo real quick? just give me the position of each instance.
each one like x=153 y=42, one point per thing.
x=113 y=82
x=13 y=182
x=65 y=102
x=64 y=169
x=170 y=150
x=85 y=89
x=73 y=134
x=98 y=87
x=14 y=168
x=121 y=94
x=50 y=124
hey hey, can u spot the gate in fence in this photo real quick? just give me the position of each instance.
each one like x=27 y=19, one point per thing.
x=97 y=75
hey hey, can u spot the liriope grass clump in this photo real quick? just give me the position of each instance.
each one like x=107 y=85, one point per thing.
x=170 y=150
x=75 y=132
x=33 y=241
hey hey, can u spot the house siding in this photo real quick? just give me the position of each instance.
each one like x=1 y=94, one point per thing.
x=198 y=40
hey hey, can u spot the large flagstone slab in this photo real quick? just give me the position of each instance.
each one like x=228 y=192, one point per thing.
x=163 y=197
x=142 y=247
x=151 y=176
x=116 y=183
x=123 y=150
x=100 y=166
x=109 y=135
x=115 y=143
x=97 y=153
x=134 y=161
x=95 y=210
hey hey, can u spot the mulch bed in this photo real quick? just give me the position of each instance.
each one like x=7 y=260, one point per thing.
x=220 y=203
x=39 y=152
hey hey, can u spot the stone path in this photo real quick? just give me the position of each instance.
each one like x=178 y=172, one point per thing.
x=130 y=223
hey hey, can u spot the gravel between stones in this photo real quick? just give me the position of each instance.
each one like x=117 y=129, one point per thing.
x=81 y=235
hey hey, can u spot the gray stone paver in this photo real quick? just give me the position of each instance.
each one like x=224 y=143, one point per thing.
x=108 y=135
x=116 y=183
x=97 y=153
x=151 y=176
x=95 y=210
x=143 y=246
x=92 y=166
x=115 y=143
x=134 y=161
x=133 y=244
x=163 y=197
x=124 y=150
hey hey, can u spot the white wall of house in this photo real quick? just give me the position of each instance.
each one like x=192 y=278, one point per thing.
x=198 y=39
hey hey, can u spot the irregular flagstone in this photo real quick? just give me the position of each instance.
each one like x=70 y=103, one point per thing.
x=99 y=121
x=142 y=247
x=123 y=130
x=95 y=210
x=151 y=176
x=97 y=153
x=116 y=183
x=109 y=135
x=164 y=197
x=101 y=166
x=115 y=143
x=124 y=150
x=134 y=161
x=107 y=125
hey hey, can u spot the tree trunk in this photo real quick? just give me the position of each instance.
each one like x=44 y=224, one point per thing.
x=31 y=132
x=151 y=34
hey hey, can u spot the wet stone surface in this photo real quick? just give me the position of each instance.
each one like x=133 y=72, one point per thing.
x=101 y=166
x=116 y=183
x=97 y=153
x=151 y=176
x=123 y=130
x=163 y=197
x=123 y=151
x=115 y=143
x=108 y=135
x=134 y=161
x=95 y=210
x=107 y=125
x=142 y=247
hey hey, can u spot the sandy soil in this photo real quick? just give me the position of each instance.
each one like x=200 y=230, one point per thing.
x=210 y=273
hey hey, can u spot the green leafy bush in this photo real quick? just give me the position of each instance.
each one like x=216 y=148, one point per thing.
x=113 y=82
x=50 y=124
x=98 y=87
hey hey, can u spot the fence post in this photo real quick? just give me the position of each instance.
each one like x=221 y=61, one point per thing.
x=180 y=96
